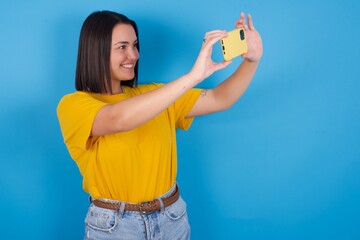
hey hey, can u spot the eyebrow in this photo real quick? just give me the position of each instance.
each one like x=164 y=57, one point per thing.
x=124 y=42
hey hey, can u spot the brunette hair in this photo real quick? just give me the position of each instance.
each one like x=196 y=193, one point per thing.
x=93 y=61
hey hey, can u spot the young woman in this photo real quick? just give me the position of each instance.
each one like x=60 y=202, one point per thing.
x=122 y=136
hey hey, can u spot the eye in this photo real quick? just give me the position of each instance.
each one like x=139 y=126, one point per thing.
x=122 y=47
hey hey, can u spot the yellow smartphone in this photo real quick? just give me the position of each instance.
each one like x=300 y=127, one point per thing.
x=234 y=44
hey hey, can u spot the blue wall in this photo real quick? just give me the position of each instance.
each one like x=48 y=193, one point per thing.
x=282 y=163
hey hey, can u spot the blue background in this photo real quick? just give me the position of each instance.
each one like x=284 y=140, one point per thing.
x=282 y=163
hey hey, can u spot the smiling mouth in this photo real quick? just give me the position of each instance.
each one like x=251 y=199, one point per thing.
x=128 y=66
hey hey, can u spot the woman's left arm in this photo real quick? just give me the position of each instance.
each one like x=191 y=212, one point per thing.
x=229 y=91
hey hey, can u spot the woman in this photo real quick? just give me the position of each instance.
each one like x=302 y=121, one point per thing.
x=122 y=136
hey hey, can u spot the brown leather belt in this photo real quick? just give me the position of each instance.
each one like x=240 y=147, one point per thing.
x=143 y=207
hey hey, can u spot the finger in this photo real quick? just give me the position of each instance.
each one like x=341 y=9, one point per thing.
x=212 y=33
x=240 y=22
x=250 y=22
x=212 y=39
x=221 y=65
x=242 y=16
x=244 y=25
x=209 y=35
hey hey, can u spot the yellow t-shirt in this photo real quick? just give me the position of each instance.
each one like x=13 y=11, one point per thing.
x=132 y=166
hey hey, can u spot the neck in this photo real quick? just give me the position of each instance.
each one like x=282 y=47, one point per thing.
x=116 y=89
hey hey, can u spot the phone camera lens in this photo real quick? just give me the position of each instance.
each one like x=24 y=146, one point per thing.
x=242 y=34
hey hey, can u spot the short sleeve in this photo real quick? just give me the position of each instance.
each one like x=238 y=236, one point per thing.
x=76 y=113
x=183 y=106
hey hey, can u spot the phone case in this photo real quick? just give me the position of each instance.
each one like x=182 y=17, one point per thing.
x=234 y=44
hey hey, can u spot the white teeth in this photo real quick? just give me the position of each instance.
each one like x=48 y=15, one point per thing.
x=127 y=65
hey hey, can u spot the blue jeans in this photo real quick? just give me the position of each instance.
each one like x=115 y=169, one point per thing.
x=169 y=223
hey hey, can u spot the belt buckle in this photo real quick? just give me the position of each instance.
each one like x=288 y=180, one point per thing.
x=142 y=207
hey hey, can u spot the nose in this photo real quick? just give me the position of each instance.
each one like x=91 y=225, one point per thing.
x=133 y=53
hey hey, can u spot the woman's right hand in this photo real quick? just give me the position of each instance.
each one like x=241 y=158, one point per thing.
x=204 y=65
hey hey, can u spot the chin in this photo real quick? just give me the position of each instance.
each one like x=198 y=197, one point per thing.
x=129 y=78
x=125 y=78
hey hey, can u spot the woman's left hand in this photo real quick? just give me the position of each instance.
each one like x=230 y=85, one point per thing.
x=253 y=39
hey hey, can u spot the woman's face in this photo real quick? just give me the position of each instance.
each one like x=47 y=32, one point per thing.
x=123 y=55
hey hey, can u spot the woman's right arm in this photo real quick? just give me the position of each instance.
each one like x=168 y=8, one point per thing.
x=131 y=113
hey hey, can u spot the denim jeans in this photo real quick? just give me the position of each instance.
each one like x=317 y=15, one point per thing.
x=169 y=223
